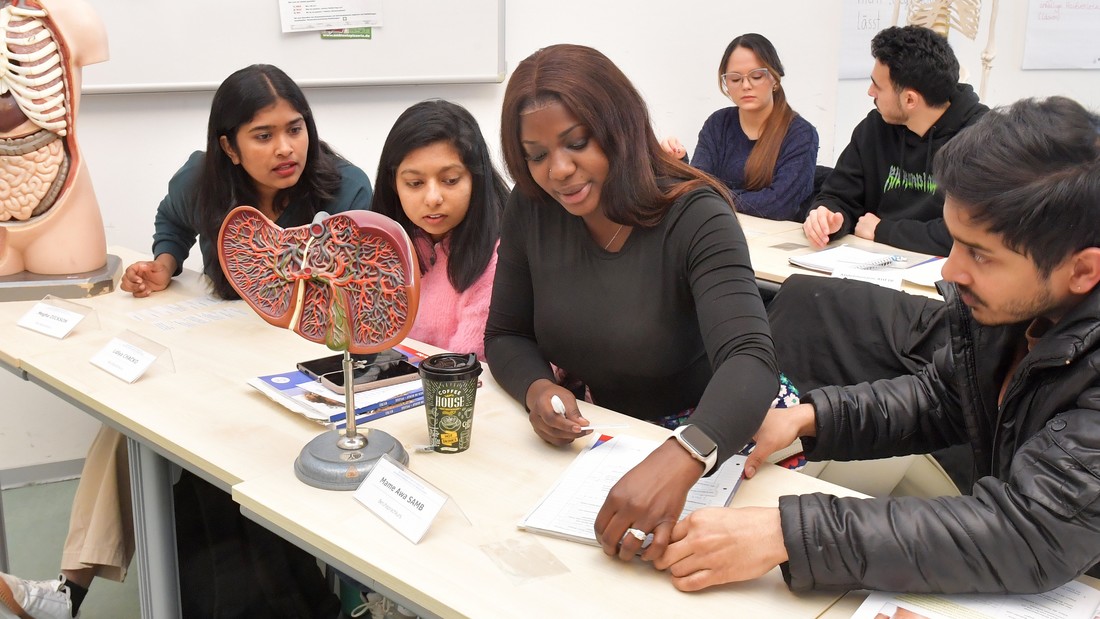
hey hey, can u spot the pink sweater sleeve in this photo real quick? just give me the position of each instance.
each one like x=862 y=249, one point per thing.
x=451 y=320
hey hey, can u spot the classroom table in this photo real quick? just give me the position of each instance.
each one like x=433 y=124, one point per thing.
x=191 y=408
x=195 y=410
x=771 y=245
x=451 y=573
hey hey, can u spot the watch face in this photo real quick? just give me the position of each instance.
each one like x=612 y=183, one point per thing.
x=699 y=440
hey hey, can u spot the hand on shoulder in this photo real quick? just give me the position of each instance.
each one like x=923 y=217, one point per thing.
x=674 y=147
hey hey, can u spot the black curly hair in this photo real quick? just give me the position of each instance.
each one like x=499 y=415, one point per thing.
x=920 y=59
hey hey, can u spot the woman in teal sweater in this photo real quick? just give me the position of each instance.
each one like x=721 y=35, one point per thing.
x=262 y=150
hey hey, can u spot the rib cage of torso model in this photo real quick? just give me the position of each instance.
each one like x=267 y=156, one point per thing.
x=34 y=120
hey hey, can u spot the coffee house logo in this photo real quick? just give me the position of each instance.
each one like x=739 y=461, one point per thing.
x=449 y=398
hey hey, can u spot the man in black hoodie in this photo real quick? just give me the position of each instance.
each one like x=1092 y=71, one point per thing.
x=882 y=187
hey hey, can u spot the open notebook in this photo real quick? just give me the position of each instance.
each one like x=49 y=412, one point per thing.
x=844 y=256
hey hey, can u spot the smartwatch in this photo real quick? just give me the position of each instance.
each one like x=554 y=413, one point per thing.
x=698 y=445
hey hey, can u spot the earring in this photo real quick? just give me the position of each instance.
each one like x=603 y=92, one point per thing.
x=775 y=87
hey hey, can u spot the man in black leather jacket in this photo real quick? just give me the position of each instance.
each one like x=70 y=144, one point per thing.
x=1019 y=382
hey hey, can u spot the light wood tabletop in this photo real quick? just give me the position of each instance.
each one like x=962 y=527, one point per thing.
x=199 y=412
x=772 y=244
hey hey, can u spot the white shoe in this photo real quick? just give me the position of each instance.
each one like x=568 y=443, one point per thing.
x=381 y=607
x=34 y=599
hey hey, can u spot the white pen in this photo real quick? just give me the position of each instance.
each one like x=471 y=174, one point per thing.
x=558 y=405
x=605 y=426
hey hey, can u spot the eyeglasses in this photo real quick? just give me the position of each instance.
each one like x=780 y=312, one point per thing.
x=755 y=77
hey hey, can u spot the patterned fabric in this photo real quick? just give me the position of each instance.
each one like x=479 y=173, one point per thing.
x=786 y=398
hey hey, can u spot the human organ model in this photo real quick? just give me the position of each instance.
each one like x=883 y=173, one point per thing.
x=49 y=218
x=349 y=281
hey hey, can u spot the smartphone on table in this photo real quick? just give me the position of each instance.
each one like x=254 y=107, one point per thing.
x=388 y=367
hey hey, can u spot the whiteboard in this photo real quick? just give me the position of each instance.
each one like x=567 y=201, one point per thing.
x=860 y=22
x=1062 y=34
x=192 y=45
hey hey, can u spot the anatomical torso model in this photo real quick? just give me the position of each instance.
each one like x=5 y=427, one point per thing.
x=49 y=217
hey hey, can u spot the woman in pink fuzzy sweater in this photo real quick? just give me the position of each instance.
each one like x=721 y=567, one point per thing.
x=436 y=179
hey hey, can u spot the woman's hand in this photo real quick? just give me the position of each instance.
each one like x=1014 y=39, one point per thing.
x=674 y=147
x=148 y=276
x=550 y=425
x=649 y=498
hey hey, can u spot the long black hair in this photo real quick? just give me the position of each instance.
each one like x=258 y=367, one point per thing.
x=473 y=240
x=223 y=185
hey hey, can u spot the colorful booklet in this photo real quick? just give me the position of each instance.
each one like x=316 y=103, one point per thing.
x=569 y=508
x=308 y=397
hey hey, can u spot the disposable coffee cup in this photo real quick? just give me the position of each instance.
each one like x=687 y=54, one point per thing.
x=450 y=385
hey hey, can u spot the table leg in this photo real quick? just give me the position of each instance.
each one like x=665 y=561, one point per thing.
x=154 y=533
x=3 y=539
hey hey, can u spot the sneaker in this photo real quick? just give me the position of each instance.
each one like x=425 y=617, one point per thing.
x=381 y=607
x=34 y=599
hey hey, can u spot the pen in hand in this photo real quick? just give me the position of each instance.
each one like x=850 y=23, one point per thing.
x=559 y=408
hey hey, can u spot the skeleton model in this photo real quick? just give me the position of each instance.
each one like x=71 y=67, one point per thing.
x=962 y=15
x=49 y=218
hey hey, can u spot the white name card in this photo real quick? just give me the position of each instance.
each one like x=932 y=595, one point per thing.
x=50 y=320
x=890 y=278
x=400 y=498
x=123 y=359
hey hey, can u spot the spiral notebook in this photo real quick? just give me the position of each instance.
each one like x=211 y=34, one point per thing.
x=843 y=256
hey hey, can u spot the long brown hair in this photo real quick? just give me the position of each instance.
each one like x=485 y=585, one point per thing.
x=642 y=180
x=760 y=166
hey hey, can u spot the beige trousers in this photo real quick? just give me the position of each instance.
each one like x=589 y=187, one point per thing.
x=101 y=526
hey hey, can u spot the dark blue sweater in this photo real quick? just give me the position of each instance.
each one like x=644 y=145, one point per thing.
x=723 y=149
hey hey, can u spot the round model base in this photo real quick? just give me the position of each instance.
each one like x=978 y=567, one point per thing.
x=324 y=464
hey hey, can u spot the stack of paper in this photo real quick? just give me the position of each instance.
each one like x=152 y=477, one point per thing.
x=1073 y=600
x=569 y=509
x=306 y=396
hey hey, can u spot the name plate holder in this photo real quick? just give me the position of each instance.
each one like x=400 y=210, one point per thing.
x=402 y=499
x=128 y=355
x=57 y=317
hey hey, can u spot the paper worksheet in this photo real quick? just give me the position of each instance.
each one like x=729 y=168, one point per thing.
x=1073 y=600
x=569 y=509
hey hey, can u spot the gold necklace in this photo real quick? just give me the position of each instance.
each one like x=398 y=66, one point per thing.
x=613 y=237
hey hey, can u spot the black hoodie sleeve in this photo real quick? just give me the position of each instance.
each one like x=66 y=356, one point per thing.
x=844 y=190
x=927 y=237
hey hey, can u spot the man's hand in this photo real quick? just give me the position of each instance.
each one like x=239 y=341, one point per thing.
x=819 y=224
x=781 y=427
x=672 y=146
x=650 y=498
x=717 y=545
x=865 y=227
x=148 y=276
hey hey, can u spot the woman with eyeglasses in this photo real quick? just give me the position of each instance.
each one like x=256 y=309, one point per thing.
x=760 y=148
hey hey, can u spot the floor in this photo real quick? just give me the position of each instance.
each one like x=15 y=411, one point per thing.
x=36 y=519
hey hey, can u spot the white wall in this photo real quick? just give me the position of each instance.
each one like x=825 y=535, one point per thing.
x=1006 y=83
x=133 y=143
